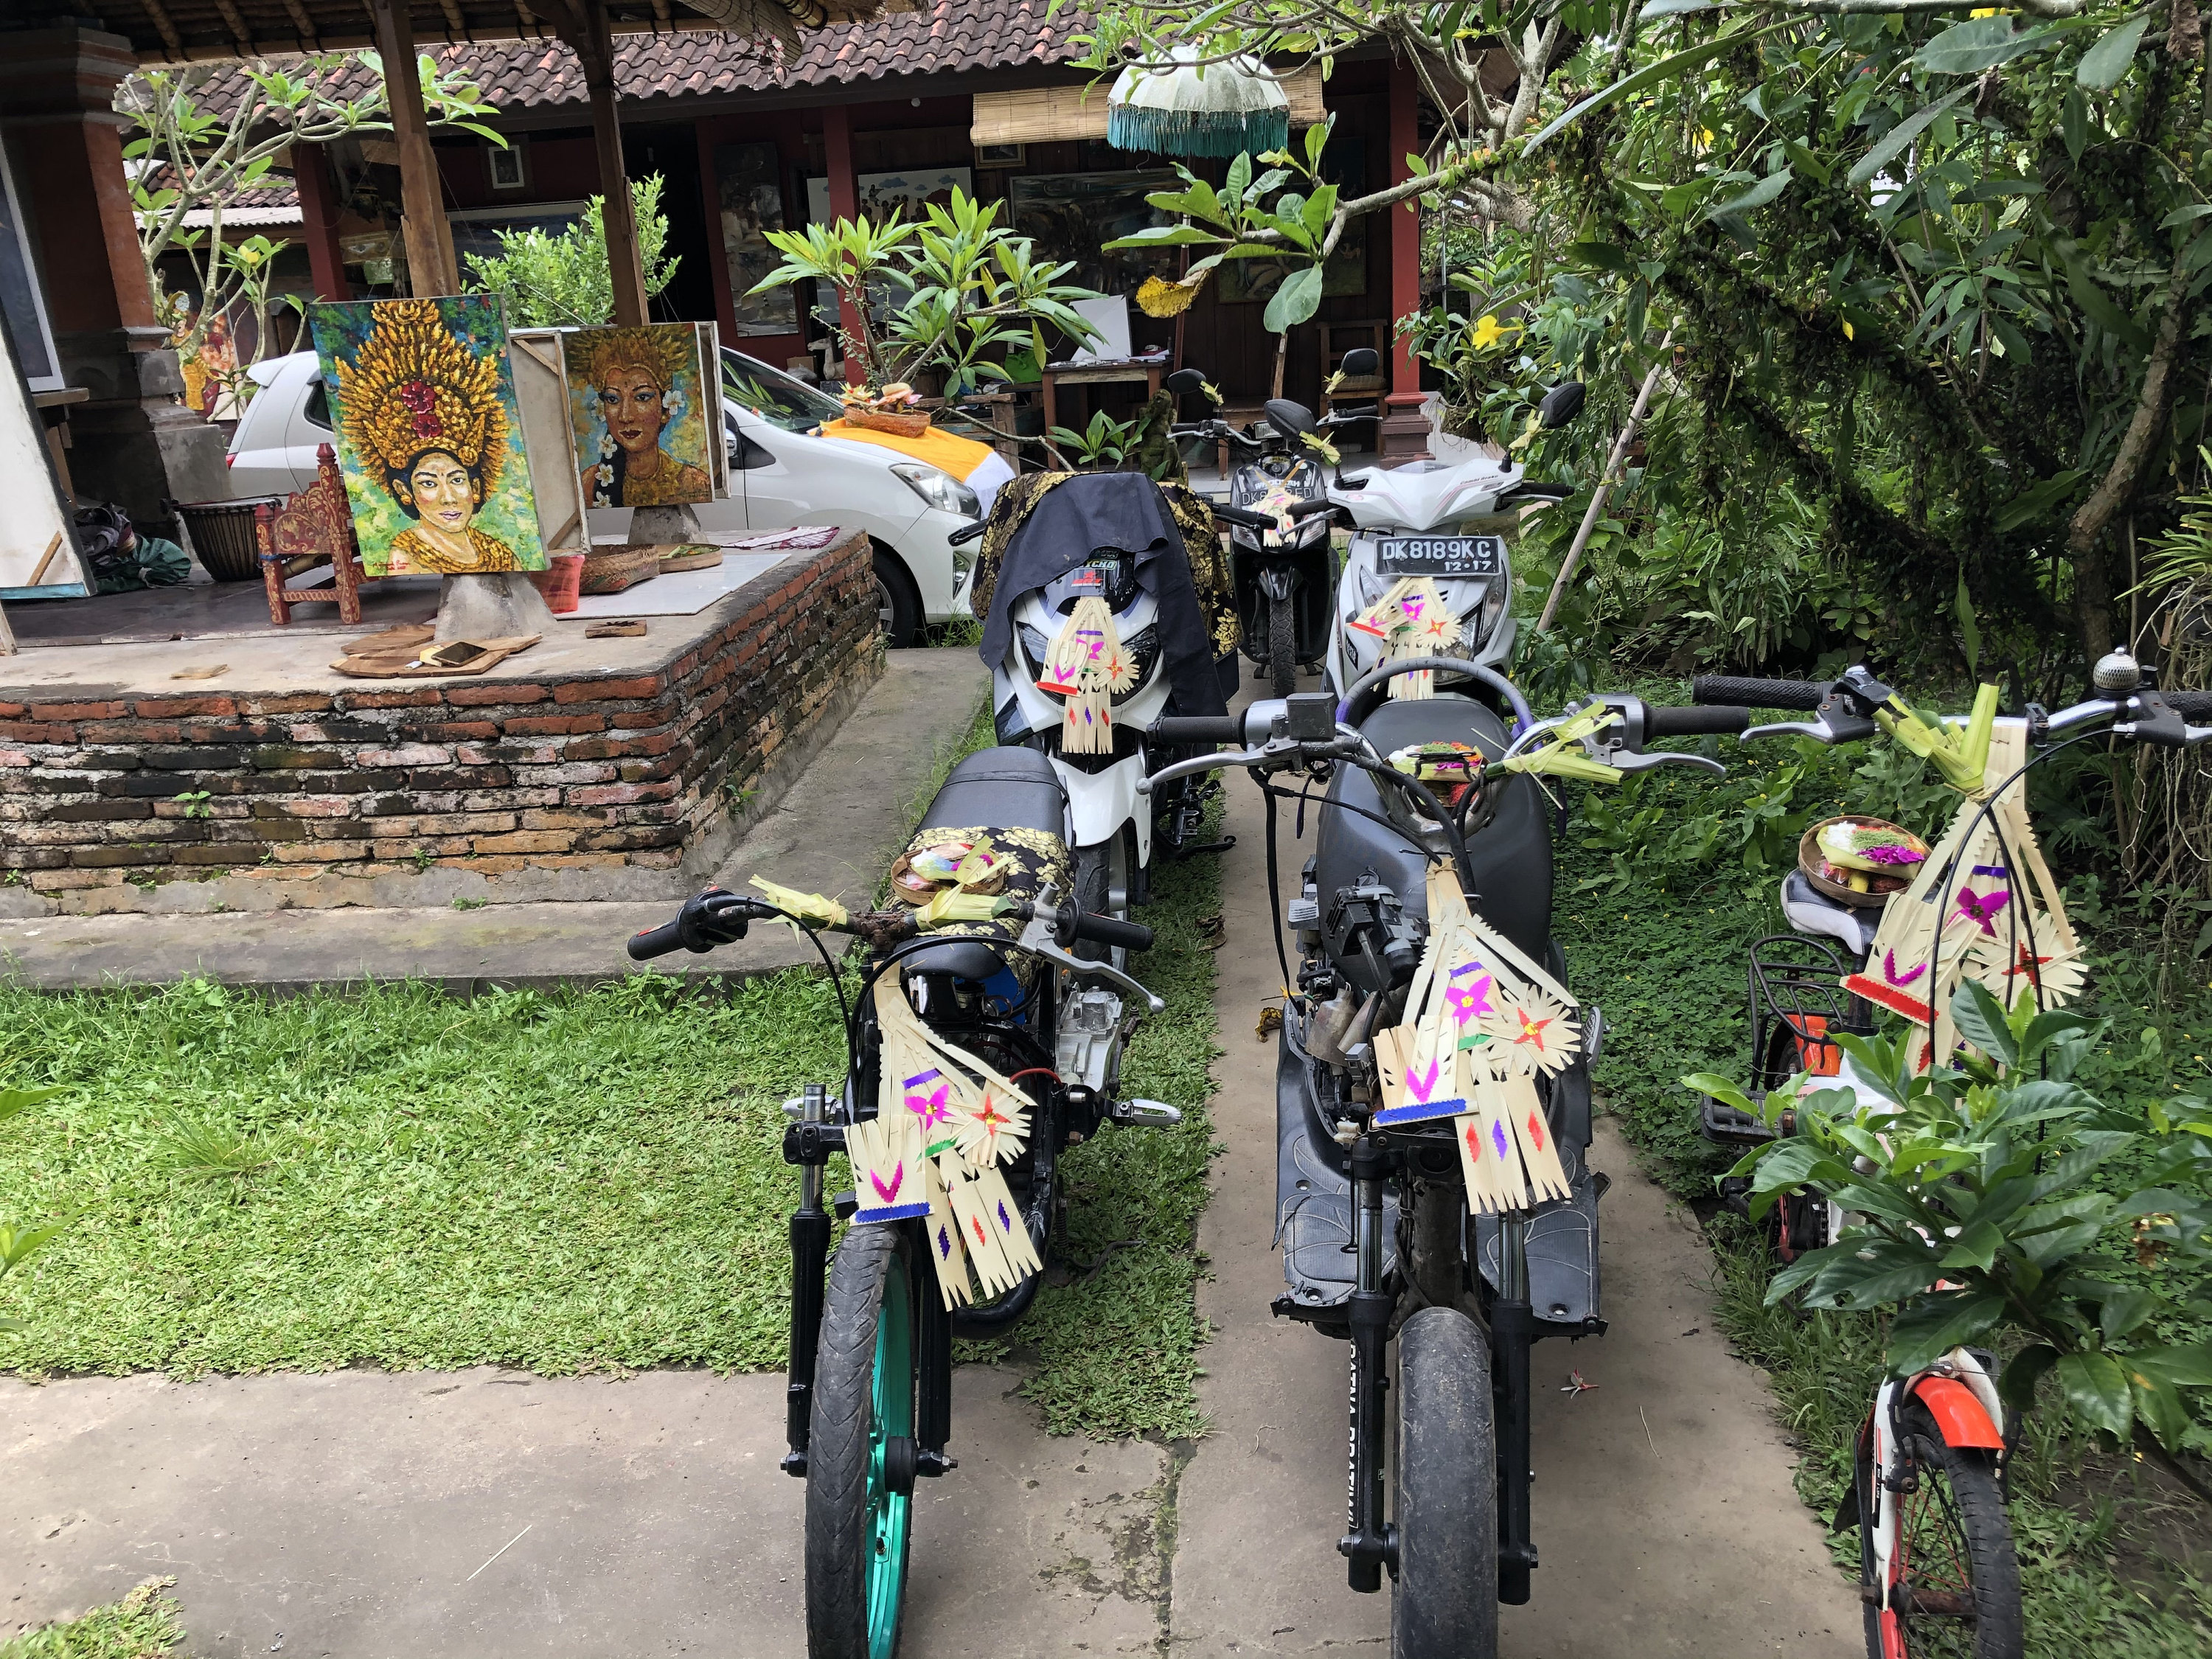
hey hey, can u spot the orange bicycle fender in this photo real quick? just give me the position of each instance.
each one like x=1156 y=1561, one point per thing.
x=1960 y=1417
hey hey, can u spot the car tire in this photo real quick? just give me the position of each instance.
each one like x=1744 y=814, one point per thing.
x=898 y=605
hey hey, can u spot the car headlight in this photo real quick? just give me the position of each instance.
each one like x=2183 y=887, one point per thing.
x=940 y=489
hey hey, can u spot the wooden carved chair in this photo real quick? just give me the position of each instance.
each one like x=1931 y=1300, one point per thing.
x=313 y=528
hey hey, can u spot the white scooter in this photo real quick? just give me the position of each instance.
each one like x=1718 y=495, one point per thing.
x=1449 y=520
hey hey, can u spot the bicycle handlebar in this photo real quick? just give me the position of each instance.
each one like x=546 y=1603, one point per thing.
x=1694 y=722
x=1710 y=689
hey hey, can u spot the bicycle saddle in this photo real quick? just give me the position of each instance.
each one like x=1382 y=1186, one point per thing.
x=1811 y=911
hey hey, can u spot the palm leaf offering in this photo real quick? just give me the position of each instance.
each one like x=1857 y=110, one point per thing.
x=1483 y=1021
x=966 y=1119
x=1085 y=666
x=1413 y=620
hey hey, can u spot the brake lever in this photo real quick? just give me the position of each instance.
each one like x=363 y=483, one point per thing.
x=1620 y=744
x=1040 y=937
x=1845 y=713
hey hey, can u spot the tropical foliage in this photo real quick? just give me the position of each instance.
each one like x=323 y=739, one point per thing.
x=552 y=280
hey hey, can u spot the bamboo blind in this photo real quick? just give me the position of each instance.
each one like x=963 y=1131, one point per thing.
x=1040 y=115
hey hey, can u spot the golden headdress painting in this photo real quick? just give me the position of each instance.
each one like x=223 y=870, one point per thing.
x=637 y=406
x=429 y=445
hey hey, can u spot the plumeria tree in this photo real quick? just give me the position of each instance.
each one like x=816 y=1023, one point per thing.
x=192 y=155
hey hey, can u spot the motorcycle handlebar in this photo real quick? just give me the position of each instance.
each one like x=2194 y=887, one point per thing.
x=1110 y=931
x=1250 y=521
x=1694 y=722
x=656 y=941
x=966 y=533
x=1196 y=728
x=1758 y=694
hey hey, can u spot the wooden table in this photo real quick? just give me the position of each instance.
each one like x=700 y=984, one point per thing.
x=1128 y=370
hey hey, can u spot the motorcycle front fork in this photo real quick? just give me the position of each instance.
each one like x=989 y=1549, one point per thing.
x=809 y=1144
x=1371 y=1543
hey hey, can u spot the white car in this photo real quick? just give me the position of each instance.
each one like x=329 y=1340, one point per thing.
x=780 y=475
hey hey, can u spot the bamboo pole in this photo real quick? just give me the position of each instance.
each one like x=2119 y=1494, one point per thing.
x=1605 y=483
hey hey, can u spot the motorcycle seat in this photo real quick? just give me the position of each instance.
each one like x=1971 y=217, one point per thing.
x=1007 y=788
x=1004 y=789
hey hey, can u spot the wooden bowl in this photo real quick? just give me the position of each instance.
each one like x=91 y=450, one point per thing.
x=1815 y=866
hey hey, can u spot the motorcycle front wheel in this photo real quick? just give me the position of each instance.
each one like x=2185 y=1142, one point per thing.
x=1445 y=1597
x=1282 y=646
x=860 y=1479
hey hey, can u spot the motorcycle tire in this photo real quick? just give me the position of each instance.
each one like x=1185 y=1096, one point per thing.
x=861 y=1449
x=1091 y=886
x=1965 y=1602
x=1444 y=1599
x=1282 y=647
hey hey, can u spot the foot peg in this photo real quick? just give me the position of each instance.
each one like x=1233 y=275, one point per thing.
x=1144 y=1114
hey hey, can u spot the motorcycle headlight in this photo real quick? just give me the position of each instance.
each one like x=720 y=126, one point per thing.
x=1035 y=646
x=940 y=489
x=1484 y=623
x=1145 y=646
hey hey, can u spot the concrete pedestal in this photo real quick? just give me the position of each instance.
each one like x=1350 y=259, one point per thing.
x=662 y=527
x=499 y=605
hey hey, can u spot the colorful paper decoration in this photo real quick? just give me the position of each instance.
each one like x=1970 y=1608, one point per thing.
x=961 y=1119
x=1413 y=620
x=1482 y=1021
x=2004 y=922
x=1084 y=667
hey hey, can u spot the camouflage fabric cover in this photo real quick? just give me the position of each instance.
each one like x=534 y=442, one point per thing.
x=1033 y=860
x=1201 y=542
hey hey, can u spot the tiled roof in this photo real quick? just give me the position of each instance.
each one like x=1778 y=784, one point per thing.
x=938 y=37
x=943 y=36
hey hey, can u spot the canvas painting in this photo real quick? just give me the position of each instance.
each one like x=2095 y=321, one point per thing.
x=429 y=439
x=746 y=180
x=886 y=197
x=637 y=405
x=1069 y=215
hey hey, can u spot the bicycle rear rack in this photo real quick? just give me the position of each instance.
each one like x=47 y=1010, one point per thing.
x=1797 y=1005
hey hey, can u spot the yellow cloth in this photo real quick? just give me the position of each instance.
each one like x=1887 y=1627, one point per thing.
x=958 y=456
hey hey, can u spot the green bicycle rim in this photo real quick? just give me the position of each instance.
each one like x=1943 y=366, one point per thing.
x=891 y=1415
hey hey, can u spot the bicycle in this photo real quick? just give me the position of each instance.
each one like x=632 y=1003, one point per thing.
x=1938 y=1571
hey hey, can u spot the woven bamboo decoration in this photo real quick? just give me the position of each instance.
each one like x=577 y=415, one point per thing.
x=948 y=1254
x=1482 y=1021
x=1084 y=667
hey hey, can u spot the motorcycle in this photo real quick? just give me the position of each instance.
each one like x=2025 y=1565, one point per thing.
x=1285 y=572
x=985 y=1039
x=1448 y=523
x=1099 y=641
x=1428 y=890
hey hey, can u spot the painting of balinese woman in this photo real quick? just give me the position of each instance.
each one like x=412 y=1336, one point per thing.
x=635 y=404
x=428 y=440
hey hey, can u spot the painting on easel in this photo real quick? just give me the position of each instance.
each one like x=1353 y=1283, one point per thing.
x=38 y=553
x=429 y=440
x=638 y=408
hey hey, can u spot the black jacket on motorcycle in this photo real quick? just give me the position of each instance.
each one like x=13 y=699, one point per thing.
x=1061 y=526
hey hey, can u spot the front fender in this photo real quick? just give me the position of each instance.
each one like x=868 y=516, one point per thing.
x=1961 y=1417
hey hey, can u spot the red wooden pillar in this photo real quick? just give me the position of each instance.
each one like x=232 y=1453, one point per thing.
x=844 y=203
x=1405 y=434
x=319 y=219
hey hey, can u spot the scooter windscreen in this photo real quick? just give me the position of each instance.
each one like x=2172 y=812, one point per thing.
x=1108 y=574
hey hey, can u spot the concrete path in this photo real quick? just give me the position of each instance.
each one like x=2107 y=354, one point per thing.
x=483 y=1513
x=833 y=832
x=1665 y=1516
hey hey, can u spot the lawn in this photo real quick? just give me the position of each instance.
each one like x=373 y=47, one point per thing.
x=1661 y=889
x=565 y=1182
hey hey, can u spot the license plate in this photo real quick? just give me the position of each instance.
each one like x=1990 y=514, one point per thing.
x=1439 y=555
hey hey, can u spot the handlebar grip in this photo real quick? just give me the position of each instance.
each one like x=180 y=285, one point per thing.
x=1110 y=931
x=656 y=941
x=1307 y=509
x=965 y=534
x=2190 y=705
x=1197 y=728
x=1757 y=694
x=1694 y=722
x=1250 y=521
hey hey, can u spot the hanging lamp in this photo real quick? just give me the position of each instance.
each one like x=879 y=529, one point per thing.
x=1218 y=109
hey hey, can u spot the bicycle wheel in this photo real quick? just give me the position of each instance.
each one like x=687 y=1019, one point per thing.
x=1445 y=1597
x=1282 y=647
x=860 y=1482
x=1954 y=1578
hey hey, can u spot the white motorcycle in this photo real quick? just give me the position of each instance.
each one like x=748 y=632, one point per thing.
x=1452 y=521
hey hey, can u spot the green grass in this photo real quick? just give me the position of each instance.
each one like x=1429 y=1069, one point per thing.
x=141 y=1625
x=2111 y=1564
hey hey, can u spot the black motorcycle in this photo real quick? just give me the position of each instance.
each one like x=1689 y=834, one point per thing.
x=1285 y=576
x=1373 y=1211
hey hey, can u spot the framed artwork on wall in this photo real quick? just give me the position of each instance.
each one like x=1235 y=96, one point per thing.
x=752 y=201
x=1068 y=216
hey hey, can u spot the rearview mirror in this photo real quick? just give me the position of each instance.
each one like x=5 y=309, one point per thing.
x=1560 y=404
x=1361 y=363
x=1184 y=382
x=1291 y=419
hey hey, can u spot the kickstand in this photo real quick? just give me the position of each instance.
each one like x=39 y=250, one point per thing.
x=1221 y=845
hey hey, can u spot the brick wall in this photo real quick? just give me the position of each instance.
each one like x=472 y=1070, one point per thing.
x=421 y=792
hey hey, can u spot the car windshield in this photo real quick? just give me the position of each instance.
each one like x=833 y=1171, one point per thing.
x=775 y=396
